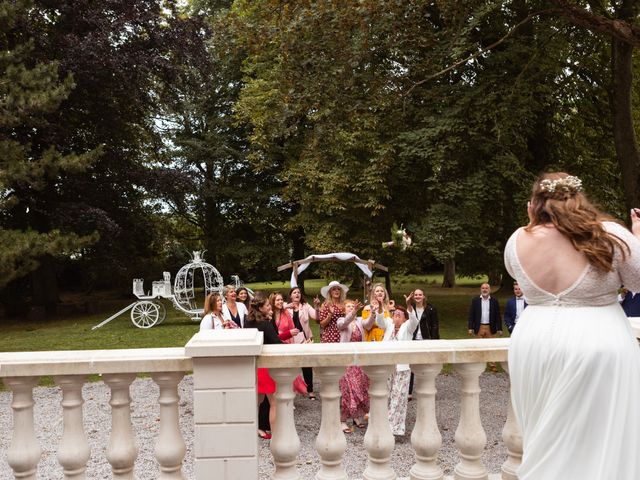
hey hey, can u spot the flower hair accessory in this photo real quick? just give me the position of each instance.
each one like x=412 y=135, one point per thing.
x=568 y=184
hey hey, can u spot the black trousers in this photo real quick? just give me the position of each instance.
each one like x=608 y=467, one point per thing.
x=307 y=374
x=263 y=415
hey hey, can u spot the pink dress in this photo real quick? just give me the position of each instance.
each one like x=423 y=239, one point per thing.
x=354 y=386
x=330 y=333
x=284 y=323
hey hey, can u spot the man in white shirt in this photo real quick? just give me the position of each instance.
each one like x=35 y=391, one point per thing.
x=484 y=314
x=514 y=308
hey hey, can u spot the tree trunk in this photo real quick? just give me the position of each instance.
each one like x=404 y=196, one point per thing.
x=211 y=217
x=449 y=277
x=44 y=283
x=624 y=133
x=387 y=282
x=495 y=278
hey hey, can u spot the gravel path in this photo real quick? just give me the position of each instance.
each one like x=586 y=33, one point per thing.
x=145 y=412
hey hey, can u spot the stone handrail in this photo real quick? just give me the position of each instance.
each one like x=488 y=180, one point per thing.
x=384 y=353
x=88 y=362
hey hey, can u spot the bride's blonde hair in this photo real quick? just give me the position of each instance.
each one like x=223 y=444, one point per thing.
x=557 y=198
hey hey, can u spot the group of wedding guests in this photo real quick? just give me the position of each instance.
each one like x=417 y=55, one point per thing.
x=289 y=322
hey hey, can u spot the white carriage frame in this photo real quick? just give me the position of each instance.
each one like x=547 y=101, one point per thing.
x=149 y=310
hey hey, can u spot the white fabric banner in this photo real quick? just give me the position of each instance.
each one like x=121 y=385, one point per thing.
x=343 y=256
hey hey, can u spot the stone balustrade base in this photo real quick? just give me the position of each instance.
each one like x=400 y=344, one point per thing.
x=495 y=476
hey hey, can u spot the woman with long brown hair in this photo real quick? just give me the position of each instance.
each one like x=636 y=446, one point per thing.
x=212 y=318
x=301 y=312
x=260 y=318
x=281 y=318
x=574 y=363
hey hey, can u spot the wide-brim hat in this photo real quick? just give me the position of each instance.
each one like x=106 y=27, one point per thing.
x=324 y=291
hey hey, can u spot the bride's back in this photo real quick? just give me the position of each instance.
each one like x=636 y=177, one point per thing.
x=549 y=258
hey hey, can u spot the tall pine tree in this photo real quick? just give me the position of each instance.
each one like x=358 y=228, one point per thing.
x=29 y=91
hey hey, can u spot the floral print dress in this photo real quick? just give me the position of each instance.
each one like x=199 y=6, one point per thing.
x=398 y=384
x=354 y=386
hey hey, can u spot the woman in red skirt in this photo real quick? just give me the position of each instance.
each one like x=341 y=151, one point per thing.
x=260 y=318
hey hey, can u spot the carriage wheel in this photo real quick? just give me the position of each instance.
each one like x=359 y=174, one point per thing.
x=145 y=314
x=163 y=313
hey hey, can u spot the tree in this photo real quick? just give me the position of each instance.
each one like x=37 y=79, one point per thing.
x=618 y=21
x=206 y=179
x=30 y=90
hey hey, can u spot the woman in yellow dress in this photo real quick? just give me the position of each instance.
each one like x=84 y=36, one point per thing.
x=380 y=296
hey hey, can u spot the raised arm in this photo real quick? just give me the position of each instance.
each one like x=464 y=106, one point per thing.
x=628 y=268
x=377 y=312
x=325 y=316
x=316 y=309
x=413 y=321
x=343 y=322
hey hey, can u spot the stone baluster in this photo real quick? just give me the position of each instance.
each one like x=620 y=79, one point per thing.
x=74 y=451
x=285 y=444
x=470 y=437
x=330 y=442
x=426 y=438
x=122 y=450
x=379 y=441
x=170 y=447
x=512 y=438
x=24 y=453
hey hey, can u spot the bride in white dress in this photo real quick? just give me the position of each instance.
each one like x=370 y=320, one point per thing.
x=573 y=360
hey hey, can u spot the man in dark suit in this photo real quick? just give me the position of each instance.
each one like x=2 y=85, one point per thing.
x=513 y=309
x=630 y=303
x=484 y=314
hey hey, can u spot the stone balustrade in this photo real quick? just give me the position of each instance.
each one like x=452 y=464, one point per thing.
x=225 y=442
x=20 y=373
x=378 y=359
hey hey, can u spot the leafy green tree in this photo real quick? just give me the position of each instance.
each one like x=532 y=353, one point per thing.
x=30 y=91
x=235 y=210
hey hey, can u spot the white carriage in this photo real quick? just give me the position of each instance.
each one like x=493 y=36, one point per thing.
x=149 y=310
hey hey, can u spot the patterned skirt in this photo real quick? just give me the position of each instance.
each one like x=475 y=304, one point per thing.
x=398 y=398
x=354 y=386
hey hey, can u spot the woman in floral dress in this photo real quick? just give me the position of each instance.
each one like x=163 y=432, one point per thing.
x=354 y=385
x=398 y=328
x=332 y=309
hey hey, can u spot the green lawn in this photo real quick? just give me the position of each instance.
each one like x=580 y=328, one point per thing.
x=74 y=333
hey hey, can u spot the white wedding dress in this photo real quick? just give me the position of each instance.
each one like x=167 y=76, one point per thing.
x=575 y=373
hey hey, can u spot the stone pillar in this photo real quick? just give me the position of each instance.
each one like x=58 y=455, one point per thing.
x=122 y=450
x=330 y=442
x=470 y=437
x=170 y=446
x=512 y=438
x=426 y=438
x=24 y=453
x=74 y=451
x=225 y=403
x=285 y=444
x=379 y=441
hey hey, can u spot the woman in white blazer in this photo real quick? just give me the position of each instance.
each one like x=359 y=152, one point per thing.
x=400 y=326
